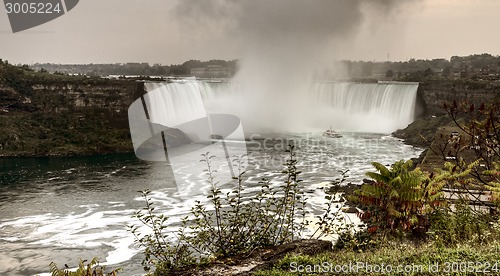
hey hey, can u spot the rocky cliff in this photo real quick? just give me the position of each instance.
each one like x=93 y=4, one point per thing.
x=433 y=94
x=65 y=116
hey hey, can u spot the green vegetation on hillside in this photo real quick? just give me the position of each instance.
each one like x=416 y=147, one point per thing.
x=395 y=257
x=64 y=133
x=474 y=67
x=21 y=78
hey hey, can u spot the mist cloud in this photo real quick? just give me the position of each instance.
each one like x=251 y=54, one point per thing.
x=283 y=42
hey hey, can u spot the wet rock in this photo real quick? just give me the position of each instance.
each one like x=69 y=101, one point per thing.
x=421 y=132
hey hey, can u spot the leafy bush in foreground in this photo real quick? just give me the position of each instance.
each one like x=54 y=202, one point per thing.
x=231 y=224
x=239 y=225
x=399 y=198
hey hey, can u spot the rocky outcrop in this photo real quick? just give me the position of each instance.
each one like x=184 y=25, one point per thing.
x=421 y=132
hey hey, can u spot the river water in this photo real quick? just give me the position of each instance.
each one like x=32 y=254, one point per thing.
x=62 y=209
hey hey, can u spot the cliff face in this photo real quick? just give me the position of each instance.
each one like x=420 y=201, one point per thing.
x=112 y=95
x=433 y=94
x=66 y=117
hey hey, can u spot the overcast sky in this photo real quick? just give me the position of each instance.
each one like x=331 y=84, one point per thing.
x=173 y=31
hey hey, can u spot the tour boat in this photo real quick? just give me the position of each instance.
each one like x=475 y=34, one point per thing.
x=330 y=133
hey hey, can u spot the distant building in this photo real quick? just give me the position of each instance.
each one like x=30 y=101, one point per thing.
x=212 y=71
x=198 y=72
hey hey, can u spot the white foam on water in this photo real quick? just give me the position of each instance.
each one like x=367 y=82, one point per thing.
x=11 y=239
x=30 y=221
x=90 y=229
x=123 y=251
x=116 y=204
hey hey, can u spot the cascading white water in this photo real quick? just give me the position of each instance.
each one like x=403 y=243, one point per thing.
x=370 y=107
x=171 y=104
x=361 y=107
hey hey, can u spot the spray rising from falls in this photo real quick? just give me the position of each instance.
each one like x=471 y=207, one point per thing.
x=360 y=107
x=282 y=47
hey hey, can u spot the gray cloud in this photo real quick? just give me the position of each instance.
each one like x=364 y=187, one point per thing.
x=282 y=18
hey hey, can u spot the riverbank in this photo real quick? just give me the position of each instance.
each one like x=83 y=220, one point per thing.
x=421 y=132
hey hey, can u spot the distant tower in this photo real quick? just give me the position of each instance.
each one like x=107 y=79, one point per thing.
x=388 y=57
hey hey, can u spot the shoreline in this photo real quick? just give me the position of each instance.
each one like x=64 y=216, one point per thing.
x=64 y=155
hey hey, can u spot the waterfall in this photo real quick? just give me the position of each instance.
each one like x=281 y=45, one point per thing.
x=371 y=107
x=171 y=104
x=362 y=107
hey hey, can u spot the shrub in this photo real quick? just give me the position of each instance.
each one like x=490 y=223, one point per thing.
x=231 y=224
x=239 y=225
x=398 y=199
x=157 y=248
x=358 y=241
x=332 y=220
x=450 y=227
